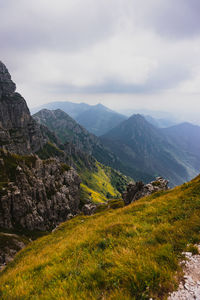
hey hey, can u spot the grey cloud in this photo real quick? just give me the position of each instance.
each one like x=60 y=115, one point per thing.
x=165 y=77
x=173 y=19
x=26 y=28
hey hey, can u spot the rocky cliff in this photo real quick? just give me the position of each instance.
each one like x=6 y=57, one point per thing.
x=19 y=132
x=39 y=195
x=34 y=193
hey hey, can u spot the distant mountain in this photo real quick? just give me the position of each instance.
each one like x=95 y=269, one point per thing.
x=160 y=123
x=138 y=143
x=187 y=137
x=68 y=130
x=97 y=119
x=72 y=109
x=148 y=112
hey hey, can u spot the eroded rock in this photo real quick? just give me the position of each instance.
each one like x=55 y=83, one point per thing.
x=138 y=190
x=41 y=195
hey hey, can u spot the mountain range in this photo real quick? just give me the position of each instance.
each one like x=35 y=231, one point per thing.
x=137 y=142
x=97 y=119
x=137 y=146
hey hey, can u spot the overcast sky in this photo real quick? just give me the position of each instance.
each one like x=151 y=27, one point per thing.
x=122 y=53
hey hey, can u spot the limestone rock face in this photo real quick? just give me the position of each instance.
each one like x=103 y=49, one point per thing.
x=34 y=194
x=41 y=195
x=7 y=86
x=19 y=132
x=138 y=190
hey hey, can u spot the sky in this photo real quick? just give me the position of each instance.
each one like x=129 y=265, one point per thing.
x=125 y=54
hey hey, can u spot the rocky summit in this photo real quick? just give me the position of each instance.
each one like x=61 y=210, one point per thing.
x=7 y=86
x=19 y=132
x=138 y=190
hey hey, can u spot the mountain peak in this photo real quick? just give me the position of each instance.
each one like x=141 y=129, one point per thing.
x=19 y=132
x=136 y=117
x=7 y=86
x=100 y=105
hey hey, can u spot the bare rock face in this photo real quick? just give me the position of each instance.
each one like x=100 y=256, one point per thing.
x=34 y=194
x=7 y=86
x=138 y=190
x=41 y=195
x=19 y=132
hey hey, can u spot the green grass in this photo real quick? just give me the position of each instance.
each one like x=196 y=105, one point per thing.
x=49 y=150
x=97 y=184
x=126 y=253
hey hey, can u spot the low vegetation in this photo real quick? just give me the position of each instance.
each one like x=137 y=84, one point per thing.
x=8 y=167
x=126 y=253
x=101 y=184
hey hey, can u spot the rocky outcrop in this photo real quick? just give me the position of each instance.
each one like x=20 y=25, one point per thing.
x=19 y=132
x=41 y=194
x=138 y=190
x=89 y=209
x=10 y=245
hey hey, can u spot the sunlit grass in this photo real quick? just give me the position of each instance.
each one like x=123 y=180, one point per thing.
x=127 y=253
x=97 y=185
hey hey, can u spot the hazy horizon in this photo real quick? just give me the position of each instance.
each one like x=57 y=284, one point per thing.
x=154 y=112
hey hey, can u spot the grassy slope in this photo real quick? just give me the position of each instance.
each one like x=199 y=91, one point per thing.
x=102 y=184
x=127 y=253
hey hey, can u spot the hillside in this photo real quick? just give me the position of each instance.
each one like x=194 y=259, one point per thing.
x=68 y=130
x=136 y=142
x=127 y=253
x=99 y=119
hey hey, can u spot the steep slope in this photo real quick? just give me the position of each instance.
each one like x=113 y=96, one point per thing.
x=68 y=130
x=136 y=142
x=36 y=194
x=127 y=253
x=99 y=119
x=187 y=137
x=104 y=181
